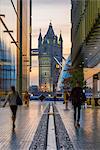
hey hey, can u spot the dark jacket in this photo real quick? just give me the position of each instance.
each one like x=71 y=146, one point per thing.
x=77 y=96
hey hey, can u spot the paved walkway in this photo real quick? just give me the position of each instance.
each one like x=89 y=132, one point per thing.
x=87 y=137
x=26 y=125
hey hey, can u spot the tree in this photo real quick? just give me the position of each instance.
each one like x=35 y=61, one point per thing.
x=77 y=75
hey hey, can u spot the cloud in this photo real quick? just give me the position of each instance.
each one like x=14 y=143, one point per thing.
x=34 y=76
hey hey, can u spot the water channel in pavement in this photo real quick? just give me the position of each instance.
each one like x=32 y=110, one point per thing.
x=51 y=143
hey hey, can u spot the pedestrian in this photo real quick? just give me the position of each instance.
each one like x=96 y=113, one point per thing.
x=66 y=97
x=42 y=97
x=11 y=98
x=54 y=99
x=26 y=98
x=78 y=98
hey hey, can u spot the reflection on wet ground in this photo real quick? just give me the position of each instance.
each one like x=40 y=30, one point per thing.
x=87 y=137
x=26 y=124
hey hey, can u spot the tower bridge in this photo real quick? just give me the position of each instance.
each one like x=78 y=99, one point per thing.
x=49 y=53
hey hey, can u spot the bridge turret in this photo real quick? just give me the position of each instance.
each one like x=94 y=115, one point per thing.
x=40 y=40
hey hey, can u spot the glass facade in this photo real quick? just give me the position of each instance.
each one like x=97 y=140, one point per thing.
x=64 y=80
x=8 y=26
x=85 y=17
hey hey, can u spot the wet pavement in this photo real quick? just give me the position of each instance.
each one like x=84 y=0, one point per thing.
x=87 y=137
x=26 y=125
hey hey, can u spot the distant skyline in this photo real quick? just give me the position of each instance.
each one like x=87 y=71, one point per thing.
x=59 y=13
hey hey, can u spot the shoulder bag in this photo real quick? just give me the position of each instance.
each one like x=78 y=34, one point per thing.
x=19 y=100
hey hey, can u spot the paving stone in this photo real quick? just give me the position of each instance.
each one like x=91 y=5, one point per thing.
x=87 y=137
x=26 y=125
x=40 y=138
x=62 y=137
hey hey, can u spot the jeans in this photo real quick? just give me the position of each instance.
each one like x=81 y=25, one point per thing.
x=77 y=110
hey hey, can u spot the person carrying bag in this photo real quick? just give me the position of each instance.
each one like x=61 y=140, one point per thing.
x=14 y=100
x=19 y=100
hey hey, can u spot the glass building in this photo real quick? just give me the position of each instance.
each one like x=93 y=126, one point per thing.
x=8 y=26
x=65 y=76
x=10 y=35
x=85 y=17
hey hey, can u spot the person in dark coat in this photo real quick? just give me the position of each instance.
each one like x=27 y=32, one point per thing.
x=54 y=99
x=77 y=97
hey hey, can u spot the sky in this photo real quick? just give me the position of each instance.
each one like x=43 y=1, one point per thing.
x=58 y=12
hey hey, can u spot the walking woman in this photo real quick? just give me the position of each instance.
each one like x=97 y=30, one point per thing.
x=11 y=98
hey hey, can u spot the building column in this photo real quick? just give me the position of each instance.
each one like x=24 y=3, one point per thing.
x=20 y=65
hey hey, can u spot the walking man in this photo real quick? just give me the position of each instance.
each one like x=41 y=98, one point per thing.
x=54 y=99
x=77 y=97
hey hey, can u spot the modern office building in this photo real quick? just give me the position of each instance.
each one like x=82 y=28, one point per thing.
x=65 y=76
x=85 y=32
x=8 y=26
x=50 y=50
x=85 y=17
x=24 y=42
x=14 y=50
